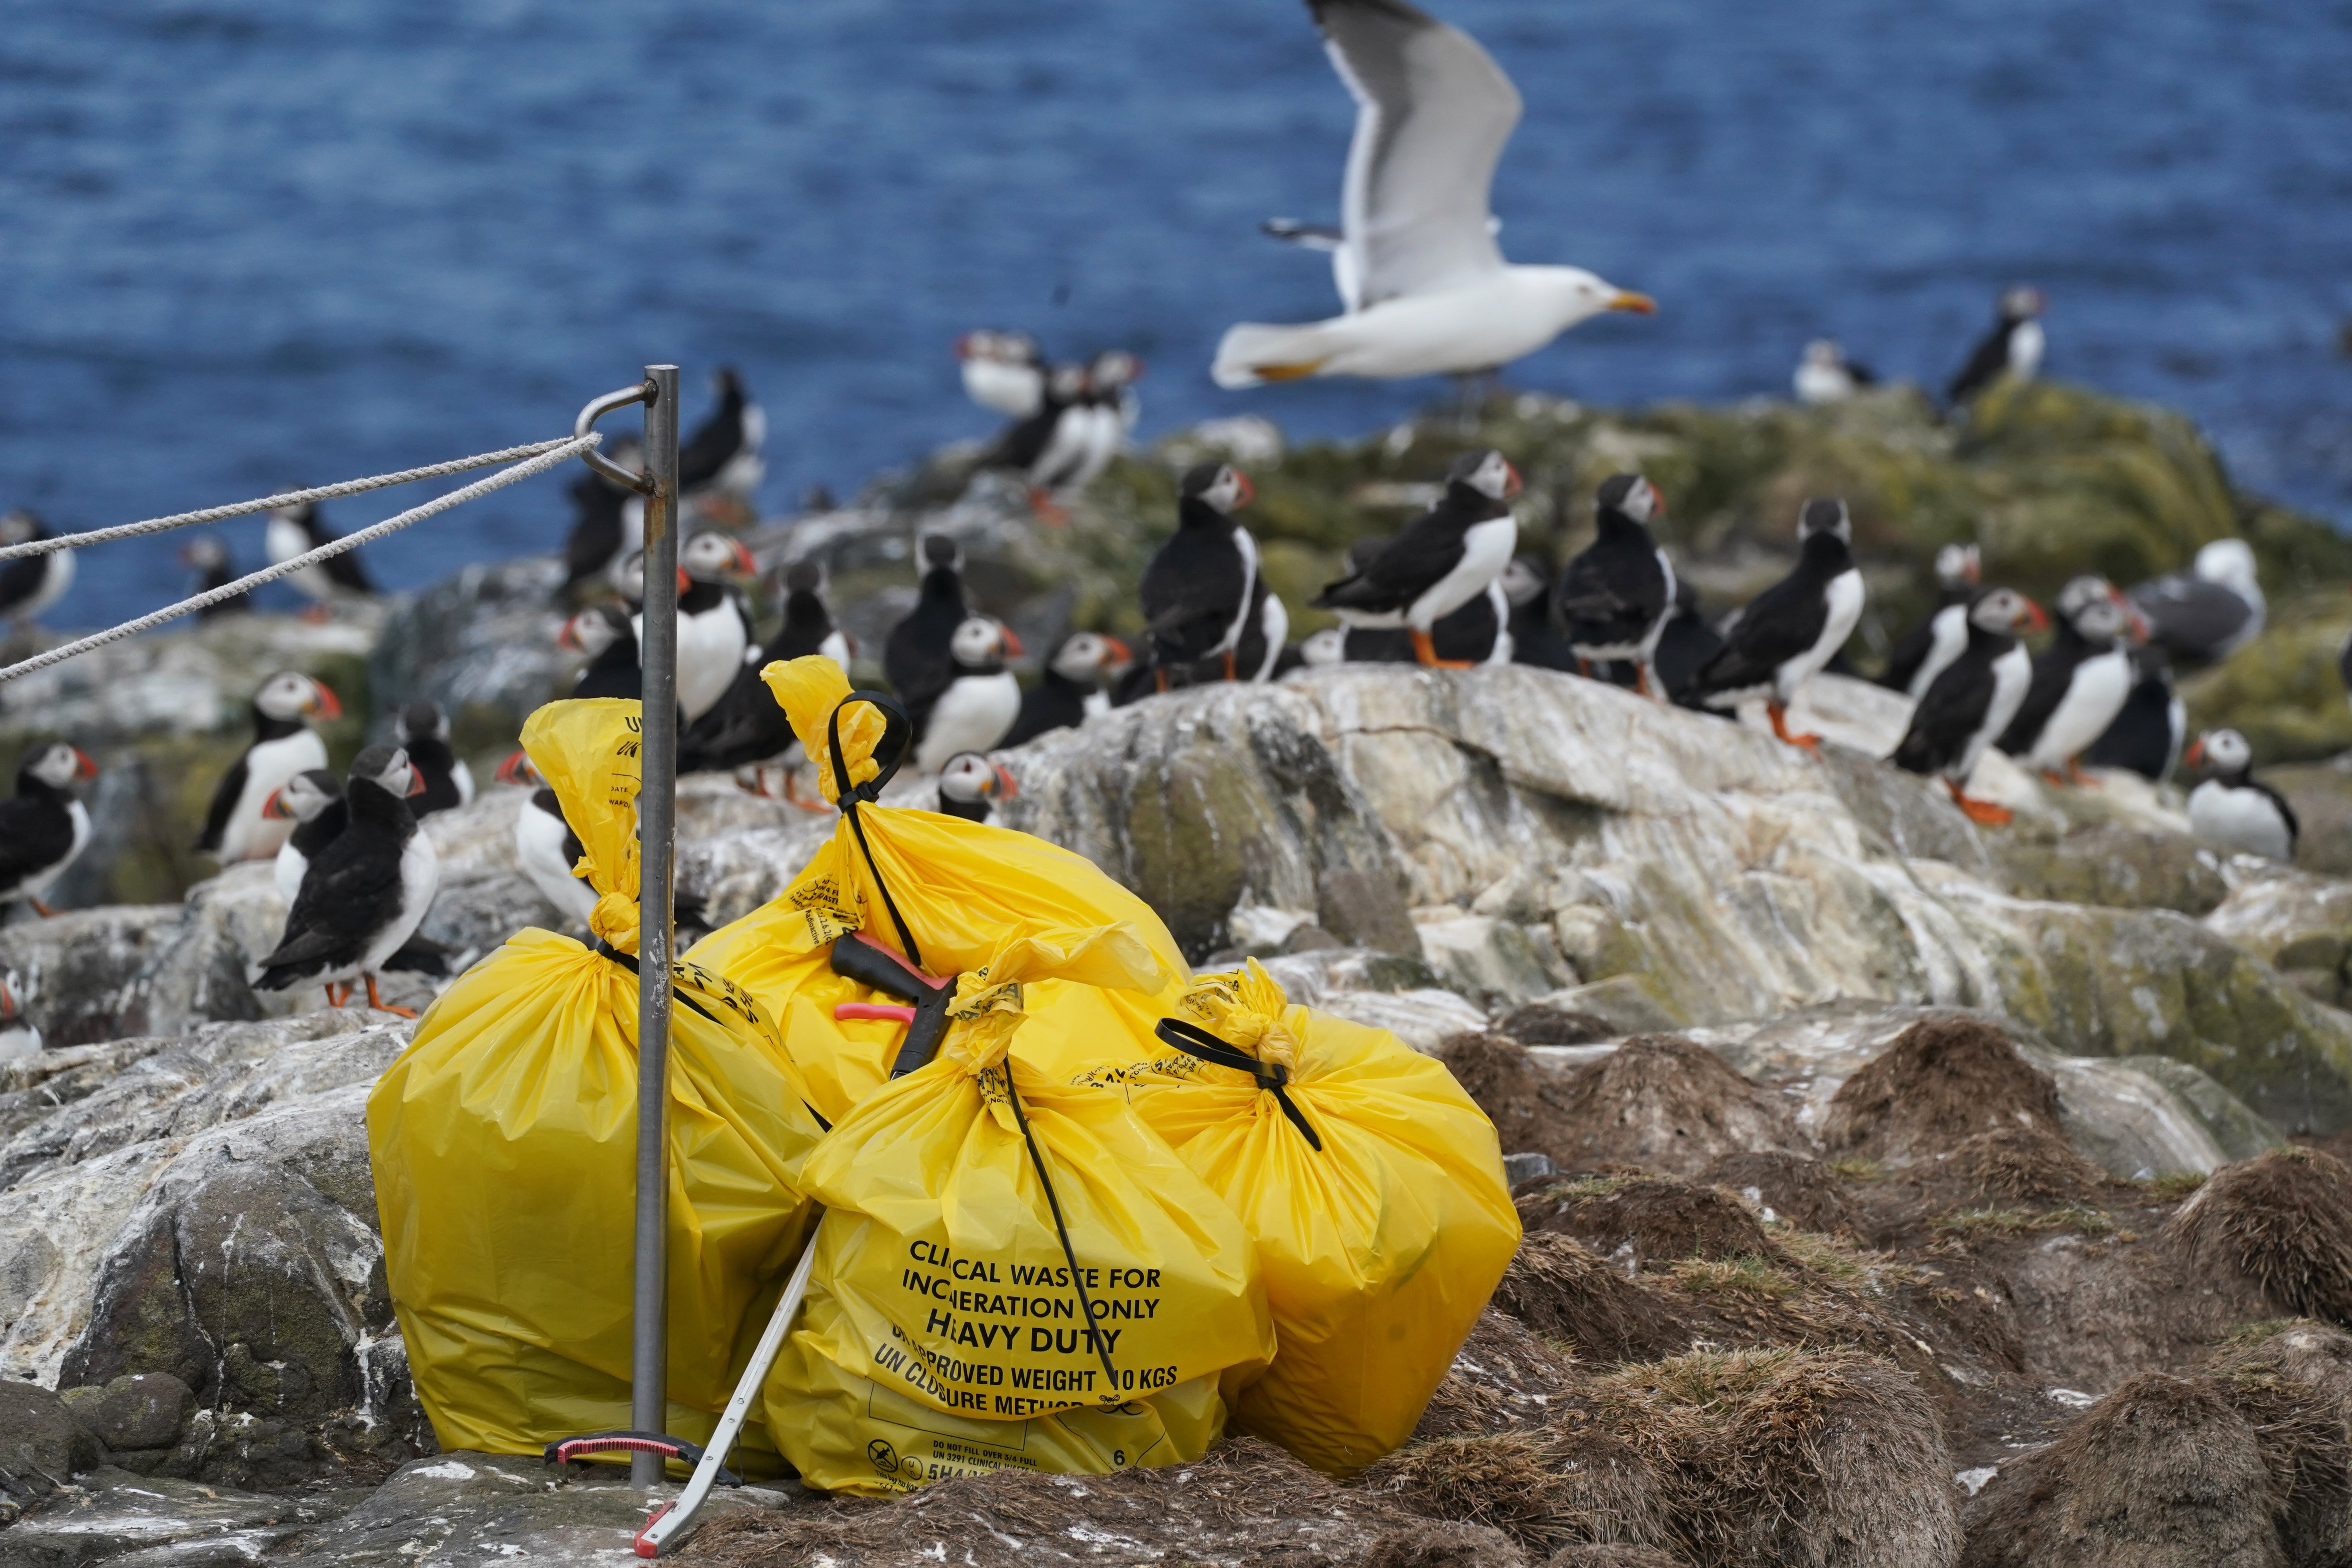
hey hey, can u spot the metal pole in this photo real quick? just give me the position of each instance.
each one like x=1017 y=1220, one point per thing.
x=657 y=837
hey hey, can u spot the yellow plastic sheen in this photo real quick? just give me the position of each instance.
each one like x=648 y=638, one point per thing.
x=943 y=1332
x=1380 y=1252
x=504 y=1140
x=964 y=888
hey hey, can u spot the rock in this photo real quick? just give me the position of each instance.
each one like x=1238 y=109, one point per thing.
x=41 y=1445
x=482 y=645
x=143 y=1410
x=77 y=976
x=2321 y=796
x=1517 y=1168
x=2121 y=867
x=148 y=1521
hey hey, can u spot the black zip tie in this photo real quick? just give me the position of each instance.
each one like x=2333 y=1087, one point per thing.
x=1272 y=1077
x=896 y=726
x=1069 y=1254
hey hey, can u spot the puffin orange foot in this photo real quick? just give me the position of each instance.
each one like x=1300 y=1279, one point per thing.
x=380 y=1006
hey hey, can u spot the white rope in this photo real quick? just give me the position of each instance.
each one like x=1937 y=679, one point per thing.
x=550 y=455
x=291 y=497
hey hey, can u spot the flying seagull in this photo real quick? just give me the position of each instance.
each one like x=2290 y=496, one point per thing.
x=1424 y=286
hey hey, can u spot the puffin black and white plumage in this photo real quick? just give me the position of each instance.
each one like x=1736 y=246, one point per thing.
x=2014 y=347
x=1826 y=375
x=1442 y=560
x=1111 y=402
x=1612 y=601
x=915 y=658
x=2232 y=808
x=1003 y=372
x=1478 y=633
x=1202 y=584
x=1974 y=700
x=19 y=1035
x=748 y=727
x=208 y=558
x=1921 y=654
x=607 y=521
x=422 y=730
x=2205 y=613
x=969 y=782
x=609 y=638
x=31 y=583
x=1687 y=644
x=1791 y=629
x=313 y=801
x=43 y=826
x=2079 y=680
x=365 y=893
x=1526 y=589
x=976 y=709
x=1264 y=637
x=721 y=457
x=1048 y=447
x=283 y=744
x=2148 y=735
x=545 y=847
x=714 y=630
x=1071 y=689
x=297 y=531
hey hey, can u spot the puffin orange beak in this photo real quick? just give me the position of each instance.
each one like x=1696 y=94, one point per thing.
x=2195 y=755
x=684 y=583
x=1117 y=652
x=2035 y=620
x=511 y=771
x=1513 y=484
x=1005 y=788
x=274 y=805
x=324 y=703
x=565 y=640
x=83 y=767
x=416 y=782
x=1013 y=642
x=1640 y=304
x=1249 y=491
x=743 y=562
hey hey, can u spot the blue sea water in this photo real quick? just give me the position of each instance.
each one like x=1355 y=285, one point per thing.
x=250 y=244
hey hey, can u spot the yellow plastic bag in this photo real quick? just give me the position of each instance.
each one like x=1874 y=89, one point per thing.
x=504 y=1143
x=1011 y=1271
x=1380 y=1249
x=962 y=888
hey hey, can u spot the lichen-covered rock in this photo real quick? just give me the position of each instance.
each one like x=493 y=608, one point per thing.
x=2282 y=691
x=41 y=1445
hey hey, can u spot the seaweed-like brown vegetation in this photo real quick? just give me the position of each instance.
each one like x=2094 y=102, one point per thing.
x=1648 y=1219
x=1942 y=1080
x=1796 y=1188
x=1562 y=1291
x=2282 y=1220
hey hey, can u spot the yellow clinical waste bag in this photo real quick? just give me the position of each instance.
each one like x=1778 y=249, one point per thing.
x=1011 y=1271
x=1372 y=1184
x=950 y=889
x=504 y=1141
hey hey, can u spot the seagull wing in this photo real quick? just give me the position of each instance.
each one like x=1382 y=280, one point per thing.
x=1433 y=112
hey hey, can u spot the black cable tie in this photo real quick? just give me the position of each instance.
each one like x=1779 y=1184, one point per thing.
x=1069 y=1254
x=1272 y=1077
x=896 y=726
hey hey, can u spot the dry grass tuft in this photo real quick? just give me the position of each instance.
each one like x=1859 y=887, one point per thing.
x=2032 y=1163
x=1562 y=1291
x=1751 y=1278
x=1652 y=1219
x=2171 y=1186
x=1942 y=1080
x=2283 y=1221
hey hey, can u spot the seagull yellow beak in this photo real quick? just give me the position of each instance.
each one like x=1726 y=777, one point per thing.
x=1640 y=304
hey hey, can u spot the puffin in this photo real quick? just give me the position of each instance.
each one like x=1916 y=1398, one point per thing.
x=607 y=635
x=1113 y=407
x=422 y=730
x=545 y=846
x=2232 y=808
x=976 y=708
x=283 y=745
x=1478 y=633
x=969 y=781
x=1070 y=692
x=365 y=893
x=19 y=1035
x=208 y=557
x=1267 y=640
x=313 y=801
x=2014 y=347
x=1974 y=700
x=1826 y=375
x=1003 y=372
x=721 y=457
x=607 y=521
x=714 y=631
x=1791 y=629
x=1202 y=584
x=748 y=727
x=2147 y=736
x=1923 y=652
x=43 y=827
x=1686 y=645
x=1051 y=445
x=1612 y=601
x=2079 y=680
x=915 y=656
x=297 y=531
x=31 y=583
x=1526 y=589
x=2209 y=612
x=1442 y=560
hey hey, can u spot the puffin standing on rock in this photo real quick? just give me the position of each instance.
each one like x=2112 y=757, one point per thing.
x=980 y=700
x=208 y=557
x=1791 y=630
x=607 y=523
x=713 y=631
x=1446 y=557
x=297 y=531
x=2147 y=736
x=2080 y=681
x=313 y=801
x=2232 y=808
x=720 y=460
x=2211 y=611
x=1071 y=689
x=2014 y=347
x=1935 y=642
x=365 y=893
x=969 y=781
x=424 y=732
x=43 y=828
x=1974 y=700
x=1201 y=586
x=747 y=726
x=545 y=846
x=1612 y=601
x=609 y=638
x=283 y=745
x=31 y=583
x=1526 y=589
x=1003 y=372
